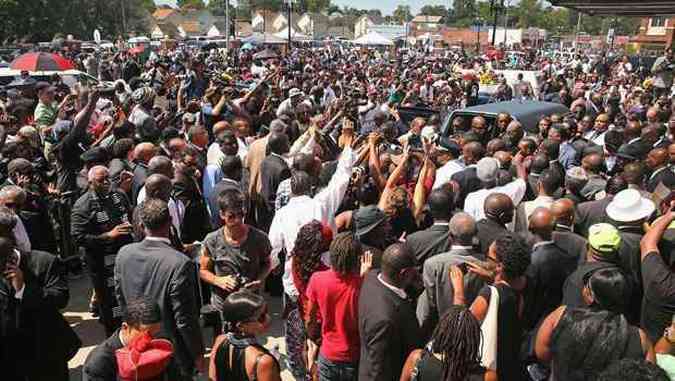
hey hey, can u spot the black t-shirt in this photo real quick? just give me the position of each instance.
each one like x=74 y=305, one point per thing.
x=658 y=303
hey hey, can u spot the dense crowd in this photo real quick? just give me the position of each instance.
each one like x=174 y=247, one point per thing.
x=406 y=243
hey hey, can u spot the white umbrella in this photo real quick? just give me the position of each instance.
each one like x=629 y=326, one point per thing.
x=373 y=38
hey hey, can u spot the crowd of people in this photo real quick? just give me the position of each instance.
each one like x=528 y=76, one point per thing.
x=200 y=185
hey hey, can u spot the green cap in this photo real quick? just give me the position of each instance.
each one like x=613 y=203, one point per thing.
x=604 y=238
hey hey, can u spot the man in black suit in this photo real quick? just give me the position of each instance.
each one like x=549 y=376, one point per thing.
x=36 y=342
x=273 y=171
x=152 y=268
x=549 y=268
x=101 y=225
x=551 y=149
x=593 y=212
x=387 y=324
x=142 y=155
x=467 y=179
x=634 y=145
x=563 y=234
x=499 y=211
x=657 y=161
x=434 y=240
x=196 y=223
x=141 y=316
x=438 y=291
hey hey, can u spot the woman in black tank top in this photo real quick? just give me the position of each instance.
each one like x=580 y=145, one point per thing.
x=581 y=342
x=236 y=355
x=453 y=354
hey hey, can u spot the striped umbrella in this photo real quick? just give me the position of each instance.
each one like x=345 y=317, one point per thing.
x=41 y=62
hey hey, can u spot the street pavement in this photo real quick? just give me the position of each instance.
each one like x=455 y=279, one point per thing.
x=91 y=332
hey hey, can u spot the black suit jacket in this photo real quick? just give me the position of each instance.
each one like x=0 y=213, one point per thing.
x=589 y=213
x=429 y=242
x=101 y=364
x=665 y=176
x=155 y=270
x=549 y=268
x=40 y=341
x=637 y=149
x=273 y=171
x=468 y=182
x=487 y=231
x=571 y=243
x=196 y=222
x=388 y=330
x=138 y=182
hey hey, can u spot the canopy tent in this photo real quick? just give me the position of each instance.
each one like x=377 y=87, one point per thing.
x=373 y=38
x=619 y=7
x=295 y=35
x=260 y=38
x=265 y=55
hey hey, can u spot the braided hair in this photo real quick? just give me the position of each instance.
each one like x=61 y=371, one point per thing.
x=457 y=339
x=345 y=252
x=310 y=243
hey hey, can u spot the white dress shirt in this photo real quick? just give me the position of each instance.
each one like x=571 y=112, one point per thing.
x=301 y=210
x=473 y=204
x=444 y=173
x=176 y=209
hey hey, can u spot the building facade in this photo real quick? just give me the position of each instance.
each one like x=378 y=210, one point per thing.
x=655 y=34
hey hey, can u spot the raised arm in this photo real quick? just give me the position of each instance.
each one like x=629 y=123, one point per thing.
x=394 y=178
x=420 y=195
x=650 y=242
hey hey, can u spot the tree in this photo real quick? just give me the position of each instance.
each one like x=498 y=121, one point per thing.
x=195 y=4
x=402 y=14
x=374 y=13
x=317 y=5
x=529 y=13
x=434 y=10
x=463 y=9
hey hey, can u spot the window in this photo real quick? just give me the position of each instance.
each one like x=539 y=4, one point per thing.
x=657 y=22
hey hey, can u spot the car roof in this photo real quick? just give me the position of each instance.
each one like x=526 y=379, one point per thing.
x=528 y=113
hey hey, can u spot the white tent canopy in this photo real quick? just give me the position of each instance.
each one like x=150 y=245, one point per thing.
x=373 y=38
x=295 y=35
x=260 y=38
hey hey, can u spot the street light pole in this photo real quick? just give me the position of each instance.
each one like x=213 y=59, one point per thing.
x=290 y=4
x=124 y=18
x=227 y=24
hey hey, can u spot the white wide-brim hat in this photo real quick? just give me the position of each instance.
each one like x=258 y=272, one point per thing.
x=629 y=205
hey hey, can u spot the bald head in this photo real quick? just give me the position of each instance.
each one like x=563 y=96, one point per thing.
x=219 y=127
x=158 y=186
x=592 y=162
x=473 y=152
x=563 y=211
x=498 y=207
x=652 y=114
x=462 y=228
x=541 y=223
x=144 y=152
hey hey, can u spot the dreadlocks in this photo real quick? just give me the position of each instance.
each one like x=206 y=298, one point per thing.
x=457 y=340
x=345 y=252
x=310 y=243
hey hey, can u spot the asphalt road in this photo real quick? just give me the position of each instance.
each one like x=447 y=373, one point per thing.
x=91 y=332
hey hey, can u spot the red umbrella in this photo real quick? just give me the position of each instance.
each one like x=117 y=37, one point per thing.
x=41 y=62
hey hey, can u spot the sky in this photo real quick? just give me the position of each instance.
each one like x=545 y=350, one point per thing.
x=386 y=6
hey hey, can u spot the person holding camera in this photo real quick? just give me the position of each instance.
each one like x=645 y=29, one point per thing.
x=663 y=69
x=235 y=256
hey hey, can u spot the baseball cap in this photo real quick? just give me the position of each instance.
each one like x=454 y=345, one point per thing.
x=604 y=238
x=487 y=169
x=294 y=92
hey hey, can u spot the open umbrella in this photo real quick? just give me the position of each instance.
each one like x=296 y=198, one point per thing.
x=41 y=62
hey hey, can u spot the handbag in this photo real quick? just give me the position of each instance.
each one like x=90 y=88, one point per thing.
x=489 y=332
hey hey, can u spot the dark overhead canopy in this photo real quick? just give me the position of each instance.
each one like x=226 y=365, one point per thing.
x=620 y=7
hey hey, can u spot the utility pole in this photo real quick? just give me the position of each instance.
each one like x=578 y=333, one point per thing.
x=227 y=25
x=290 y=5
x=576 y=33
x=506 y=20
x=124 y=18
x=495 y=10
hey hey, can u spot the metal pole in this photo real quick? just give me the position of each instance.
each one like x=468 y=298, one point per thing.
x=227 y=25
x=124 y=18
x=576 y=33
x=289 y=25
x=506 y=20
x=478 y=38
x=495 y=9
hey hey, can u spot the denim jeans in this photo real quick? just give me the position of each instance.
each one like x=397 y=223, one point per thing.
x=336 y=371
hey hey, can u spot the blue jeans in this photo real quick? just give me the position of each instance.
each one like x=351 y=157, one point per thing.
x=336 y=371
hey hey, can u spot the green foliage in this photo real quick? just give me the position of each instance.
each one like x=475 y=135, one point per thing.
x=434 y=10
x=195 y=4
x=402 y=14
x=40 y=20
